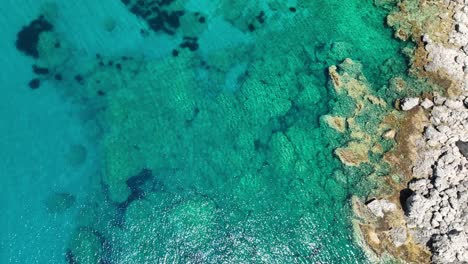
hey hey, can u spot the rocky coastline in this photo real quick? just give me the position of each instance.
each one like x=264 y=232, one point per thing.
x=425 y=216
x=420 y=217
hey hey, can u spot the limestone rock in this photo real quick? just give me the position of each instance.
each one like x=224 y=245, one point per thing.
x=380 y=207
x=450 y=248
x=398 y=236
x=426 y=103
x=407 y=104
x=390 y=134
x=437 y=210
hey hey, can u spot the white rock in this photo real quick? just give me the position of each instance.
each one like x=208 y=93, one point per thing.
x=454 y=104
x=389 y=134
x=398 y=236
x=420 y=186
x=380 y=207
x=426 y=103
x=450 y=247
x=409 y=103
x=438 y=208
x=438 y=100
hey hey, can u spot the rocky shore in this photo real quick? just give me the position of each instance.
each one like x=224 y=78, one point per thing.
x=425 y=218
x=437 y=207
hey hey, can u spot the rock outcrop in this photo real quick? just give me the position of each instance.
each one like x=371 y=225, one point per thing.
x=409 y=103
x=432 y=210
x=437 y=209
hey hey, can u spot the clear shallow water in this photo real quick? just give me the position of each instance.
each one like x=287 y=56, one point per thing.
x=210 y=153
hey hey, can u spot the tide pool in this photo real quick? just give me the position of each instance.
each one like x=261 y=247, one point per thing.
x=190 y=131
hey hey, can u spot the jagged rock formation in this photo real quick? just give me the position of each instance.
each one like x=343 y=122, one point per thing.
x=437 y=209
x=432 y=211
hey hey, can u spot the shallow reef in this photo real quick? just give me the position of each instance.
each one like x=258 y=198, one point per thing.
x=246 y=141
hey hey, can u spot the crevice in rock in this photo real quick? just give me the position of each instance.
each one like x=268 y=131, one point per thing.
x=136 y=184
x=462 y=147
x=404 y=195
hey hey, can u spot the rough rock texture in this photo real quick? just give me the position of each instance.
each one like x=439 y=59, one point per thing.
x=451 y=57
x=382 y=229
x=435 y=201
x=438 y=28
x=437 y=210
x=379 y=207
x=409 y=103
x=359 y=115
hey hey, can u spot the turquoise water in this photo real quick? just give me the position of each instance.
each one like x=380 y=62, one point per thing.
x=181 y=131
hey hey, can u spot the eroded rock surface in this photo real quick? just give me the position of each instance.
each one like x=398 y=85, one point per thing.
x=437 y=211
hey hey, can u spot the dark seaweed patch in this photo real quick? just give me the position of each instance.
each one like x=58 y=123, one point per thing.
x=28 y=37
x=190 y=43
x=136 y=184
x=156 y=14
x=58 y=77
x=79 y=79
x=261 y=17
x=34 y=83
x=40 y=70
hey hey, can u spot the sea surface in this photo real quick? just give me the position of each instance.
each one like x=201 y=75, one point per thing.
x=181 y=131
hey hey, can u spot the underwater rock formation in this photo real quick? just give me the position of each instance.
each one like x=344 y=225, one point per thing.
x=238 y=136
x=159 y=15
x=439 y=30
x=59 y=202
x=356 y=108
x=88 y=246
x=28 y=38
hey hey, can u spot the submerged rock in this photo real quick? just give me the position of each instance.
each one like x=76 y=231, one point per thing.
x=76 y=155
x=389 y=134
x=28 y=37
x=353 y=154
x=87 y=246
x=336 y=122
x=59 y=202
